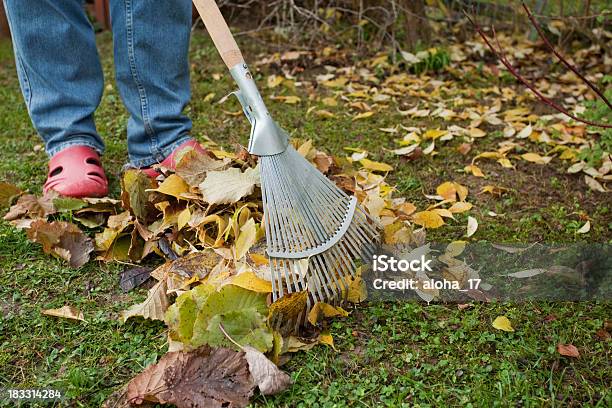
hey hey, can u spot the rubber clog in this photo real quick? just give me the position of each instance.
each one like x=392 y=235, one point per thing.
x=77 y=172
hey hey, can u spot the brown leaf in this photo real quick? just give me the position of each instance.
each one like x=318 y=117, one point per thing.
x=7 y=193
x=568 y=350
x=154 y=307
x=193 y=166
x=203 y=378
x=32 y=207
x=63 y=239
x=67 y=312
x=286 y=311
x=134 y=196
x=323 y=162
x=268 y=377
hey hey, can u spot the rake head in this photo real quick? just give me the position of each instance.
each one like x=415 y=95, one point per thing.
x=314 y=231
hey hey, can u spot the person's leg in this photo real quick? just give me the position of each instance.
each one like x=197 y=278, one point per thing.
x=151 y=42
x=59 y=70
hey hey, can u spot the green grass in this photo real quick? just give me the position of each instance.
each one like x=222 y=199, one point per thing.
x=392 y=354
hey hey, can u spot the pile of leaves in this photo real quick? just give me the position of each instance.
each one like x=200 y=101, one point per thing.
x=213 y=291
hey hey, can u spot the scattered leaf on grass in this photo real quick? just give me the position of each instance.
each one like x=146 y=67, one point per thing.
x=202 y=378
x=323 y=310
x=66 y=312
x=472 y=226
x=502 y=323
x=62 y=239
x=428 y=219
x=375 y=166
x=585 y=228
x=594 y=184
x=568 y=350
x=527 y=273
x=7 y=193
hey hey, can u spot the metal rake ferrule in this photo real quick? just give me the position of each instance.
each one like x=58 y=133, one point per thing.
x=267 y=138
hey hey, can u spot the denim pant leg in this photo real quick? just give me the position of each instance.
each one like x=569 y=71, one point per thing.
x=59 y=70
x=151 y=45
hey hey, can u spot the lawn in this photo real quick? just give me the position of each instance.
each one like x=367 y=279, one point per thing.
x=396 y=354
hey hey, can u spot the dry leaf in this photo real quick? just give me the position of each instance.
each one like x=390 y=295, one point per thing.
x=594 y=184
x=250 y=281
x=269 y=379
x=472 y=226
x=63 y=239
x=375 y=166
x=568 y=350
x=527 y=273
x=502 y=323
x=229 y=186
x=246 y=239
x=202 y=378
x=536 y=158
x=323 y=310
x=193 y=166
x=585 y=228
x=460 y=207
x=428 y=219
x=67 y=312
x=154 y=307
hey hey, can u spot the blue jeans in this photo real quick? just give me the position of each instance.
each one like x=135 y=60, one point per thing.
x=62 y=82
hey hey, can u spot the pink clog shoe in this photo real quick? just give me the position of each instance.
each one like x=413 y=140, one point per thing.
x=169 y=162
x=77 y=172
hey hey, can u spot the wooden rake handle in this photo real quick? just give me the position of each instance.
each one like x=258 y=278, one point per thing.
x=219 y=32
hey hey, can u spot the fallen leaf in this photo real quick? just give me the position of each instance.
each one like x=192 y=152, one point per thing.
x=585 y=228
x=527 y=273
x=202 y=378
x=428 y=219
x=525 y=132
x=229 y=186
x=502 y=323
x=246 y=239
x=536 y=158
x=7 y=193
x=134 y=195
x=154 y=307
x=472 y=226
x=63 y=239
x=363 y=115
x=568 y=350
x=134 y=277
x=375 y=166
x=250 y=281
x=594 y=184
x=323 y=310
x=269 y=379
x=66 y=312
x=460 y=207
x=173 y=186
x=475 y=170
x=287 y=311
x=193 y=166
x=447 y=190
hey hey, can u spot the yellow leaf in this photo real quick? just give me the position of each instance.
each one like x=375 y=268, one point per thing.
x=488 y=155
x=67 y=312
x=330 y=101
x=323 y=311
x=250 y=281
x=259 y=259
x=290 y=100
x=475 y=132
x=472 y=226
x=505 y=163
x=183 y=218
x=363 y=115
x=246 y=239
x=322 y=113
x=286 y=311
x=209 y=97
x=335 y=83
x=375 y=166
x=455 y=248
x=460 y=207
x=502 y=323
x=173 y=186
x=475 y=170
x=428 y=219
x=443 y=212
x=462 y=191
x=357 y=290
x=327 y=339
x=274 y=81
x=495 y=190
x=434 y=133
x=447 y=190
x=536 y=158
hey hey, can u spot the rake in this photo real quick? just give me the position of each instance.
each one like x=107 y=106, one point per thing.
x=315 y=232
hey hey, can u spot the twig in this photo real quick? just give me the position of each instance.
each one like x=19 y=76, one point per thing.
x=563 y=60
x=517 y=75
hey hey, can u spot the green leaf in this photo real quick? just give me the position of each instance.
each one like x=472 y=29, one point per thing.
x=195 y=317
x=66 y=204
x=134 y=184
